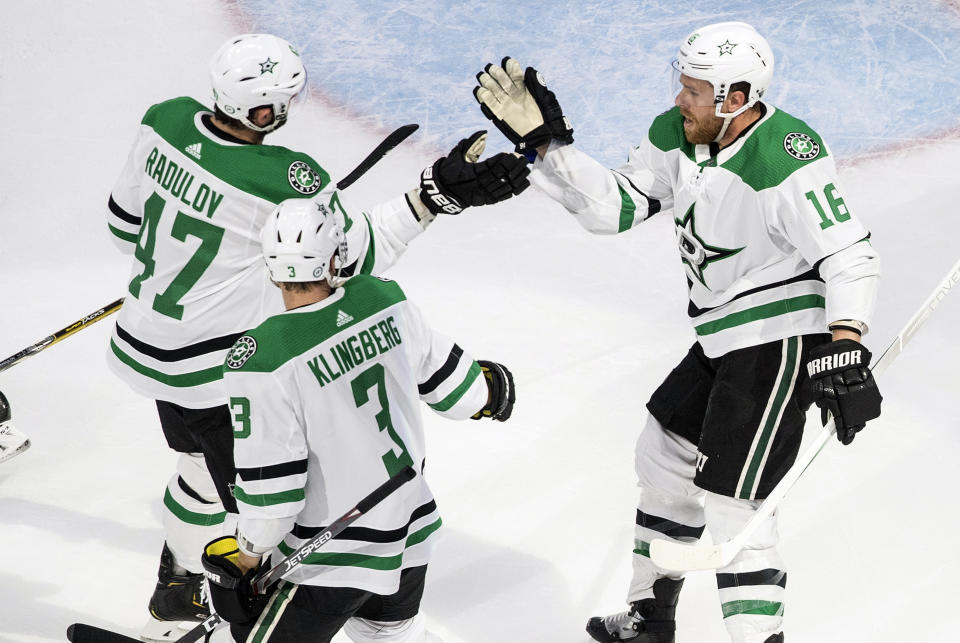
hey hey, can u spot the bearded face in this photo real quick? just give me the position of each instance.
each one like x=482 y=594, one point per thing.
x=701 y=125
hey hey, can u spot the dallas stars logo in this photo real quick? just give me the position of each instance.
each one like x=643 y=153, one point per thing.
x=243 y=350
x=695 y=253
x=267 y=66
x=727 y=47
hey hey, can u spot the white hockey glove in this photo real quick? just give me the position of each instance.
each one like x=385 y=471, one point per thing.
x=520 y=105
x=460 y=180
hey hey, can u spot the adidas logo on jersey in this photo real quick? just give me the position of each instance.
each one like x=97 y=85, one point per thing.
x=193 y=150
x=343 y=318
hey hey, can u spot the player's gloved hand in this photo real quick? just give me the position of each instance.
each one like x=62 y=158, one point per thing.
x=231 y=590
x=520 y=105
x=842 y=384
x=459 y=179
x=502 y=394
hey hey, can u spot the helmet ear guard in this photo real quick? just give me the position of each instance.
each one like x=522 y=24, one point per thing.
x=256 y=70
x=298 y=240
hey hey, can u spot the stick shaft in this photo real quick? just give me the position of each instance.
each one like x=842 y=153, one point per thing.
x=296 y=558
x=61 y=334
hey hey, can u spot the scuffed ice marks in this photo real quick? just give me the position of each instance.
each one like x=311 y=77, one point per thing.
x=867 y=75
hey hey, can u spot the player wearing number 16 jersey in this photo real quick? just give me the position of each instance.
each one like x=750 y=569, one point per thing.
x=782 y=282
x=326 y=402
x=189 y=205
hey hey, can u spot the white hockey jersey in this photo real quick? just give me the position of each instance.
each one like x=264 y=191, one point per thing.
x=757 y=225
x=325 y=401
x=189 y=205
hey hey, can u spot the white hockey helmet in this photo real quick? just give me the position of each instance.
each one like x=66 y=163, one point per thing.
x=256 y=70
x=726 y=53
x=298 y=240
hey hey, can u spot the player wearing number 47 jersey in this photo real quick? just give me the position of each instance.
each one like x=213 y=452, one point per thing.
x=189 y=205
x=326 y=405
x=782 y=282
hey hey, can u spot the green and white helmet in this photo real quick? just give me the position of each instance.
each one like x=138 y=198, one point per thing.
x=726 y=53
x=255 y=70
x=298 y=240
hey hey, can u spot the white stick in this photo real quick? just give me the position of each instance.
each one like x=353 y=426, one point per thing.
x=688 y=557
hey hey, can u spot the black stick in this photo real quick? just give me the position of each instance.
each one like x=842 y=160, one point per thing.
x=61 y=334
x=82 y=633
x=394 y=139
x=296 y=558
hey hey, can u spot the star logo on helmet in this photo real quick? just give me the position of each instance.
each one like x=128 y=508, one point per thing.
x=267 y=66
x=696 y=254
x=727 y=47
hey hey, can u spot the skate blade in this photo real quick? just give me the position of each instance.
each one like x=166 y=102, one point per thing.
x=7 y=453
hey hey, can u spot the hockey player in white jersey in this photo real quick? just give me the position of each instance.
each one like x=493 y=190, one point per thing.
x=12 y=441
x=325 y=400
x=782 y=283
x=189 y=205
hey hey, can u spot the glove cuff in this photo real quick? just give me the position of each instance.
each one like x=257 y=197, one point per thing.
x=433 y=197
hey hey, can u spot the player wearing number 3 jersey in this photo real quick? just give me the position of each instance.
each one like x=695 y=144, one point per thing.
x=189 y=205
x=326 y=403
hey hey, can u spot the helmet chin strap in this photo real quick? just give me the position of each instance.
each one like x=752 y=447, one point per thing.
x=723 y=129
x=728 y=118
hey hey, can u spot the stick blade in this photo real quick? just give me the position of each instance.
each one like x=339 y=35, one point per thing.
x=683 y=557
x=83 y=633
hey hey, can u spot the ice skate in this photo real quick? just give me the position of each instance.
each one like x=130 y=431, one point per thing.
x=12 y=442
x=178 y=602
x=650 y=620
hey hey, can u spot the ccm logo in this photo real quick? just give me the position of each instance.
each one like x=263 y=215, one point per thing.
x=831 y=362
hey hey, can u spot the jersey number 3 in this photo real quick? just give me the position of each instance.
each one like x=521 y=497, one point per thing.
x=361 y=385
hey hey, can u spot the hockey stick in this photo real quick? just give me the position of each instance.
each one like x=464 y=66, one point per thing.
x=393 y=139
x=61 y=334
x=83 y=633
x=689 y=557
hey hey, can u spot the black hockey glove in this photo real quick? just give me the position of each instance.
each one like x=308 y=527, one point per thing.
x=231 y=591
x=520 y=105
x=841 y=382
x=500 y=387
x=458 y=180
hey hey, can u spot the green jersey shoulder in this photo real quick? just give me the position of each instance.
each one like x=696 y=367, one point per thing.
x=773 y=149
x=666 y=133
x=288 y=335
x=271 y=172
x=780 y=145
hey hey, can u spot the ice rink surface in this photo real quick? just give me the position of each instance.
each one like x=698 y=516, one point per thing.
x=538 y=512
